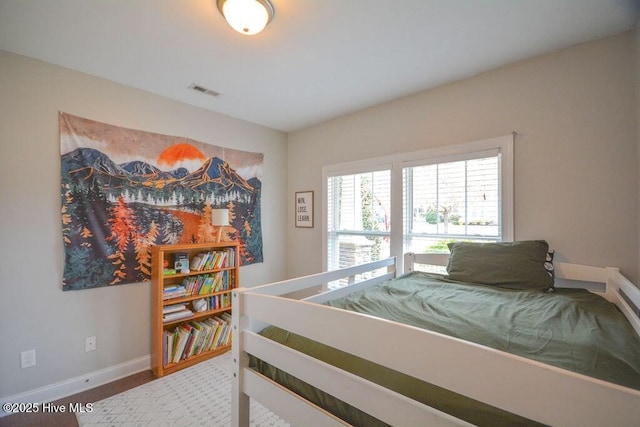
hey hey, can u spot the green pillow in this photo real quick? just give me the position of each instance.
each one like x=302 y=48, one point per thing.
x=512 y=265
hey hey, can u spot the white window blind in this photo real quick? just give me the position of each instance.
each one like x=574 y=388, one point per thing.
x=450 y=201
x=358 y=220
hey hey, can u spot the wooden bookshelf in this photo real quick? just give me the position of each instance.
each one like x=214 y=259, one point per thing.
x=212 y=284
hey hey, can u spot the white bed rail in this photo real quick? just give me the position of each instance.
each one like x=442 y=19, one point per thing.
x=321 y=279
x=540 y=392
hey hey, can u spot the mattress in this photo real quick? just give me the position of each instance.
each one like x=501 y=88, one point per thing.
x=569 y=328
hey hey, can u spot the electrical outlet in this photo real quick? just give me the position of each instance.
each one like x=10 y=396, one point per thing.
x=27 y=359
x=90 y=344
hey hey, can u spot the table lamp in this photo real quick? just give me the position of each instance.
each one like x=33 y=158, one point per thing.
x=220 y=219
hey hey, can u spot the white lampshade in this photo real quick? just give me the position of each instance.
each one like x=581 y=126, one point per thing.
x=246 y=16
x=220 y=217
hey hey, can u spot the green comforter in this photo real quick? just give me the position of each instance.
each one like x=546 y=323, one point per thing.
x=571 y=328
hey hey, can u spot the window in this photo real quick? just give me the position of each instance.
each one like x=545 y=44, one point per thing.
x=418 y=202
x=451 y=201
x=359 y=218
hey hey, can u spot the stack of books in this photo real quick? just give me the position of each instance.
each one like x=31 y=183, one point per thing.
x=173 y=291
x=175 y=312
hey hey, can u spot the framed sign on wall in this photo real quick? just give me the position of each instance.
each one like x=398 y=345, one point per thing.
x=304 y=209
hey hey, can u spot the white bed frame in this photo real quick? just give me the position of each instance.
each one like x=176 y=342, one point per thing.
x=534 y=390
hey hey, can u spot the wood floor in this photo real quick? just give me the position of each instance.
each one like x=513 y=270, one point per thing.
x=68 y=419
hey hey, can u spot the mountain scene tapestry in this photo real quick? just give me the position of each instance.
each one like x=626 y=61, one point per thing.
x=124 y=190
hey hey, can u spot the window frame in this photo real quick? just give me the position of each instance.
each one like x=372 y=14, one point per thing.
x=466 y=157
x=397 y=162
x=343 y=232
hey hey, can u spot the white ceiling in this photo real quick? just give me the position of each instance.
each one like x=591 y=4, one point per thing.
x=316 y=60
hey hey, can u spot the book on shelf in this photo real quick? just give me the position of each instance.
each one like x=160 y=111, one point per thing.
x=197 y=342
x=173 y=291
x=226 y=317
x=177 y=315
x=217 y=280
x=167 y=341
x=217 y=332
x=206 y=261
x=190 y=339
x=207 y=286
x=230 y=260
x=221 y=261
x=181 y=337
x=212 y=261
x=221 y=281
x=173 y=308
x=194 y=265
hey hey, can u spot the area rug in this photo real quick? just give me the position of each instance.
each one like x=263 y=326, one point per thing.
x=196 y=396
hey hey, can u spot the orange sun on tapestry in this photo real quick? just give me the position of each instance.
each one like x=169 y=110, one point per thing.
x=181 y=155
x=124 y=190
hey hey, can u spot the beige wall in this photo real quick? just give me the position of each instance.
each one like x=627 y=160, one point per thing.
x=576 y=153
x=34 y=312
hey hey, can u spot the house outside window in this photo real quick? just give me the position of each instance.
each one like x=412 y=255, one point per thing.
x=418 y=202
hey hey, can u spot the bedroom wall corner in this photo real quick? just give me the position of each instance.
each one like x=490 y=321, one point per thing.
x=34 y=311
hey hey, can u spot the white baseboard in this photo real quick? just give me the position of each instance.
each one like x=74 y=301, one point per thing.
x=52 y=392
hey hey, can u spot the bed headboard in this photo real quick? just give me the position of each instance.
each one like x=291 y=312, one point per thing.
x=563 y=271
x=412 y=258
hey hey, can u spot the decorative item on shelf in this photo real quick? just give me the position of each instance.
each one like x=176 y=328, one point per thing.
x=181 y=262
x=247 y=17
x=168 y=267
x=199 y=305
x=220 y=219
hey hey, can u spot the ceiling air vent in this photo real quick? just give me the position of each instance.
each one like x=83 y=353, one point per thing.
x=203 y=89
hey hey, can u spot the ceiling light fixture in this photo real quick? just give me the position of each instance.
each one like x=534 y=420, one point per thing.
x=246 y=16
